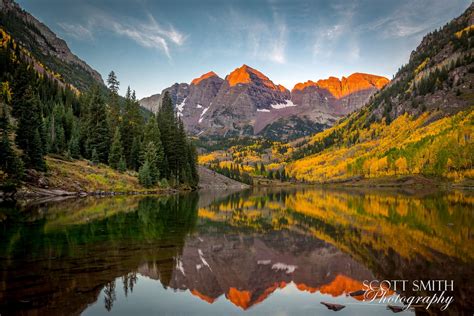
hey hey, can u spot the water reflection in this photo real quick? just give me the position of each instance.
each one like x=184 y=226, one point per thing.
x=260 y=252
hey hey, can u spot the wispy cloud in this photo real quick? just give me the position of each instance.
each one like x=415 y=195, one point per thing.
x=261 y=39
x=77 y=31
x=409 y=19
x=329 y=34
x=149 y=34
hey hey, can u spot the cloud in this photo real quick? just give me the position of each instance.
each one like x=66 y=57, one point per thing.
x=409 y=19
x=278 y=46
x=148 y=34
x=261 y=39
x=335 y=30
x=77 y=31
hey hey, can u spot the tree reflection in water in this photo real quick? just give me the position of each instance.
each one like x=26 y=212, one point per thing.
x=56 y=258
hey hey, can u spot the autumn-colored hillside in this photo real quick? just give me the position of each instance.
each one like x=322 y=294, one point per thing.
x=421 y=123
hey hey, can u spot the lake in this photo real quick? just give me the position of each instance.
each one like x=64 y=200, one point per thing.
x=255 y=252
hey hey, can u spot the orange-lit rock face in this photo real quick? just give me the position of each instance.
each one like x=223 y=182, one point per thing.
x=239 y=298
x=246 y=75
x=206 y=298
x=341 y=285
x=353 y=83
x=204 y=77
x=281 y=88
x=268 y=291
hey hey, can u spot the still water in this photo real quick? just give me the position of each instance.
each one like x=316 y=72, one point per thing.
x=261 y=252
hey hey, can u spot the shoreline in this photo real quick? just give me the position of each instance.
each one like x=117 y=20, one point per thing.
x=409 y=182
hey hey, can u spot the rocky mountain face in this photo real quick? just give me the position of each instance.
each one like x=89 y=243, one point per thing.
x=247 y=102
x=51 y=51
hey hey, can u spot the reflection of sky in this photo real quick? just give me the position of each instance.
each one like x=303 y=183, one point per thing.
x=150 y=298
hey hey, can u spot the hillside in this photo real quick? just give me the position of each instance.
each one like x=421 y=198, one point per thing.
x=49 y=50
x=419 y=123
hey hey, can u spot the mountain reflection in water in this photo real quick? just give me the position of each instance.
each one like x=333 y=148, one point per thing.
x=254 y=251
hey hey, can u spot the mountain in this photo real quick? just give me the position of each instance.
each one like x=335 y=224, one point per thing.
x=247 y=102
x=320 y=104
x=418 y=125
x=50 y=51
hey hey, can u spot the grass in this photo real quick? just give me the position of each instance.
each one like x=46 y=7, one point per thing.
x=82 y=175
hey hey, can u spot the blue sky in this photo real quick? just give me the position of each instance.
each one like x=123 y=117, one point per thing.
x=153 y=44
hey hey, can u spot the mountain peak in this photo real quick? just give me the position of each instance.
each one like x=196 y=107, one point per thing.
x=247 y=75
x=210 y=74
x=341 y=87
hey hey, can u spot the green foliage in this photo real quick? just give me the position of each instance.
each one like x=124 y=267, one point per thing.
x=95 y=156
x=9 y=160
x=97 y=127
x=144 y=175
x=131 y=130
x=51 y=118
x=122 y=165
x=116 y=152
x=28 y=132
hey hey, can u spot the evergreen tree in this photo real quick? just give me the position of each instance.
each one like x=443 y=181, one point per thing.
x=122 y=166
x=144 y=175
x=74 y=144
x=113 y=101
x=131 y=128
x=113 y=83
x=167 y=123
x=116 y=153
x=135 y=154
x=28 y=133
x=95 y=156
x=150 y=157
x=97 y=127
x=152 y=134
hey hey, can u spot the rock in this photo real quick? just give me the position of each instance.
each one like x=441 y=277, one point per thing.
x=333 y=307
x=208 y=179
x=396 y=309
x=357 y=293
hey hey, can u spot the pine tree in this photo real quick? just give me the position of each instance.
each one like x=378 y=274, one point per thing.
x=113 y=83
x=28 y=133
x=74 y=144
x=116 y=152
x=152 y=134
x=122 y=166
x=135 y=153
x=97 y=127
x=167 y=123
x=150 y=157
x=95 y=156
x=113 y=101
x=144 y=175
x=131 y=128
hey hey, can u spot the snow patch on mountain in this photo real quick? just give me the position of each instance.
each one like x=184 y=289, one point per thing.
x=263 y=110
x=202 y=114
x=201 y=256
x=180 y=107
x=287 y=104
x=282 y=266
